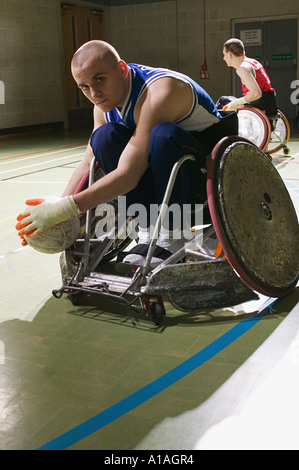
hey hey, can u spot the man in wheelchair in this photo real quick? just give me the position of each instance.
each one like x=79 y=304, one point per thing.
x=145 y=120
x=256 y=84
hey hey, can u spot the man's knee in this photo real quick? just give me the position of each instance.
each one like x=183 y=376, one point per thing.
x=108 y=143
x=169 y=139
x=109 y=134
x=161 y=133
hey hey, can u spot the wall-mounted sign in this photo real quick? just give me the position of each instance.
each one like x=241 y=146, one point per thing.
x=281 y=56
x=251 y=37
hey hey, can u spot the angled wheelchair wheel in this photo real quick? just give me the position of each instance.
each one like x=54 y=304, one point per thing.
x=254 y=217
x=280 y=135
x=254 y=126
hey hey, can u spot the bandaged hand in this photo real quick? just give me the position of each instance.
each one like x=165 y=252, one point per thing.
x=233 y=105
x=42 y=214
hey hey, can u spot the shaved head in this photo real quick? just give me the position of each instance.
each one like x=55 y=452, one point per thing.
x=235 y=46
x=95 y=50
x=100 y=73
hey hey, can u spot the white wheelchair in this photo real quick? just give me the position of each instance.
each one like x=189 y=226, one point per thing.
x=270 y=133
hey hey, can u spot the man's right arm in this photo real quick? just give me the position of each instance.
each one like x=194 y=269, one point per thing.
x=79 y=172
x=84 y=165
x=247 y=75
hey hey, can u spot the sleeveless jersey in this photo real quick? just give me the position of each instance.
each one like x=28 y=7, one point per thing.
x=261 y=76
x=202 y=114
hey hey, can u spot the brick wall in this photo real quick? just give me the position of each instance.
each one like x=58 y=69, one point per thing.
x=162 y=33
x=30 y=62
x=171 y=34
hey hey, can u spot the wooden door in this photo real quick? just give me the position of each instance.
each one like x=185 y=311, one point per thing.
x=79 y=25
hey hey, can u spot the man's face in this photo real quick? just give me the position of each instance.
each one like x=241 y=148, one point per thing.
x=104 y=84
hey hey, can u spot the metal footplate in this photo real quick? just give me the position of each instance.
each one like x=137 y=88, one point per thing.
x=206 y=284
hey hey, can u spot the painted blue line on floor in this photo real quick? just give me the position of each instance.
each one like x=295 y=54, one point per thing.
x=291 y=186
x=141 y=396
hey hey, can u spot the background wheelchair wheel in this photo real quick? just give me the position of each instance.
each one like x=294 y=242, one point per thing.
x=254 y=217
x=280 y=136
x=254 y=126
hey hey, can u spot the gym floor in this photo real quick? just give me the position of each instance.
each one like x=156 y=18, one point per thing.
x=97 y=377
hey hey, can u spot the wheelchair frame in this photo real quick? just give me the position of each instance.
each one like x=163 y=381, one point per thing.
x=190 y=279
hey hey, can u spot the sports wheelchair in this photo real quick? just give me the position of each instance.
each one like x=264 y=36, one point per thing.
x=251 y=215
x=269 y=133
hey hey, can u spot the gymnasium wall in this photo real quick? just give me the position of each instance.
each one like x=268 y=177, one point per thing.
x=30 y=63
x=166 y=33
x=171 y=33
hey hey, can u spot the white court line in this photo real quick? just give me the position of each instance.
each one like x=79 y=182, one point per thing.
x=40 y=163
x=278 y=162
x=15 y=181
x=37 y=155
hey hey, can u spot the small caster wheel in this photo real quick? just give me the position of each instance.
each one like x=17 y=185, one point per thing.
x=157 y=313
x=286 y=150
x=57 y=293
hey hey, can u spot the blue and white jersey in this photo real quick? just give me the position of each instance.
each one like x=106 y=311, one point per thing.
x=202 y=114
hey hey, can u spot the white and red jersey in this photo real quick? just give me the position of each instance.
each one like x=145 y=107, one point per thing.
x=261 y=76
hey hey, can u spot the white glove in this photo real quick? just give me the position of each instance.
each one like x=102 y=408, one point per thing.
x=233 y=105
x=42 y=214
